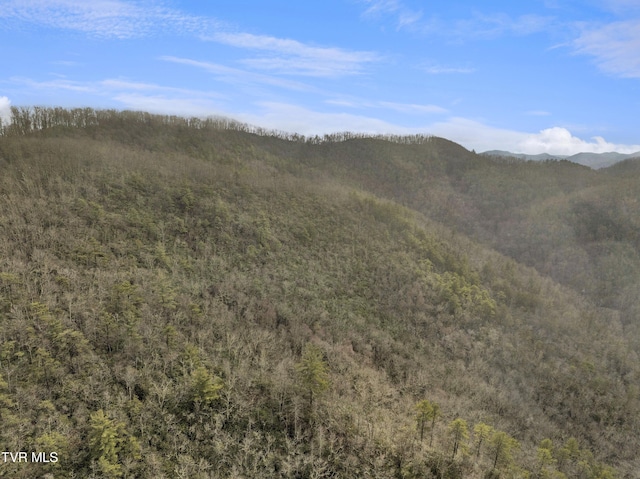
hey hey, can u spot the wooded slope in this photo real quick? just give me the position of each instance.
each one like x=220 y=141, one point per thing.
x=192 y=300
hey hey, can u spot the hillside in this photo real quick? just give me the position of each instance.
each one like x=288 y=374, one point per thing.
x=192 y=299
x=578 y=226
x=592 y=160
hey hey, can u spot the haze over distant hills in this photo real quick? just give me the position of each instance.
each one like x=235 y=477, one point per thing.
x=592 y=160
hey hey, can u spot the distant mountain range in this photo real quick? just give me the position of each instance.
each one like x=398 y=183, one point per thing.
x=592 y=160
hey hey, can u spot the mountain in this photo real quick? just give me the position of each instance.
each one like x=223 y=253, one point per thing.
x=601 y=160
x=524 y=156
x=630 y=166
x=190 y=298
x=592 y=160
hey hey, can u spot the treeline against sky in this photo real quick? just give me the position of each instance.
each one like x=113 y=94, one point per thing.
x=28 y=119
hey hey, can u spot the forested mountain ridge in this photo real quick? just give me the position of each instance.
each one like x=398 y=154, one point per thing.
x=189 y=299
x=592 y=160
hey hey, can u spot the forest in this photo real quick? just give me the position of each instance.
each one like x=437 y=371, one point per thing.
x=199 y=298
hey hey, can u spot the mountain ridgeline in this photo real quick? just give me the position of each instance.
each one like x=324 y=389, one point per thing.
x=203 y=299
x=592 y=160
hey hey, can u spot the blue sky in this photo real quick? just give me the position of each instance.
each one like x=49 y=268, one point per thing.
x=557 y=76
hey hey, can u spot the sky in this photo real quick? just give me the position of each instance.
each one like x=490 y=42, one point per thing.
x=554 y=76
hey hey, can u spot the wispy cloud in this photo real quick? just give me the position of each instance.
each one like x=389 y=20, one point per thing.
x=124 y=19
x=103 y=86
x=66 y=63
x=132 y=86
x=292 y=57
x=144 y=96
x=443 y=69
x=107 y=87
x=295 y=118
x=237 y=76
x=473 y=134
x=344 y=103
x=198 y=106
x=403 y=16
x=60 y=84
x=470 y=133
x=499 y=24
x=622 y=6
x=408 y=108
x=413 y=108
x=537 y=113
x=105 y=18
x=615 y=47
x=478 y=25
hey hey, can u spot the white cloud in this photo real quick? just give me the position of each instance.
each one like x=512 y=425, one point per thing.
x=160 y=99
x=469 y=133
x=478 y=25
x=501 y=23
x=61 y=84
x=105 y=18
x=408 y=108
x=66 y=63
x=475 y=135
x=380 y=7
x=413 y=108
x=107 y=87
x=237 y=76
x=293 y=57
x=440 y=69
x=615 y=46
x=301 y=66
x=496 y=25
x=404 y=16
x=198 y=106
x=128 y=94
x=556 y=140
x=560 y=141
x=126 y=85
x=622 y=6
x=294 y=118
x=537 y=113
x=134 y=19
x=5 y=110
x=345 y=103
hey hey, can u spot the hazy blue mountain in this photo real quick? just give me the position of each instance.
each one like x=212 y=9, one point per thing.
x=523 y=156
x=600 y=160
x=592 y=160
